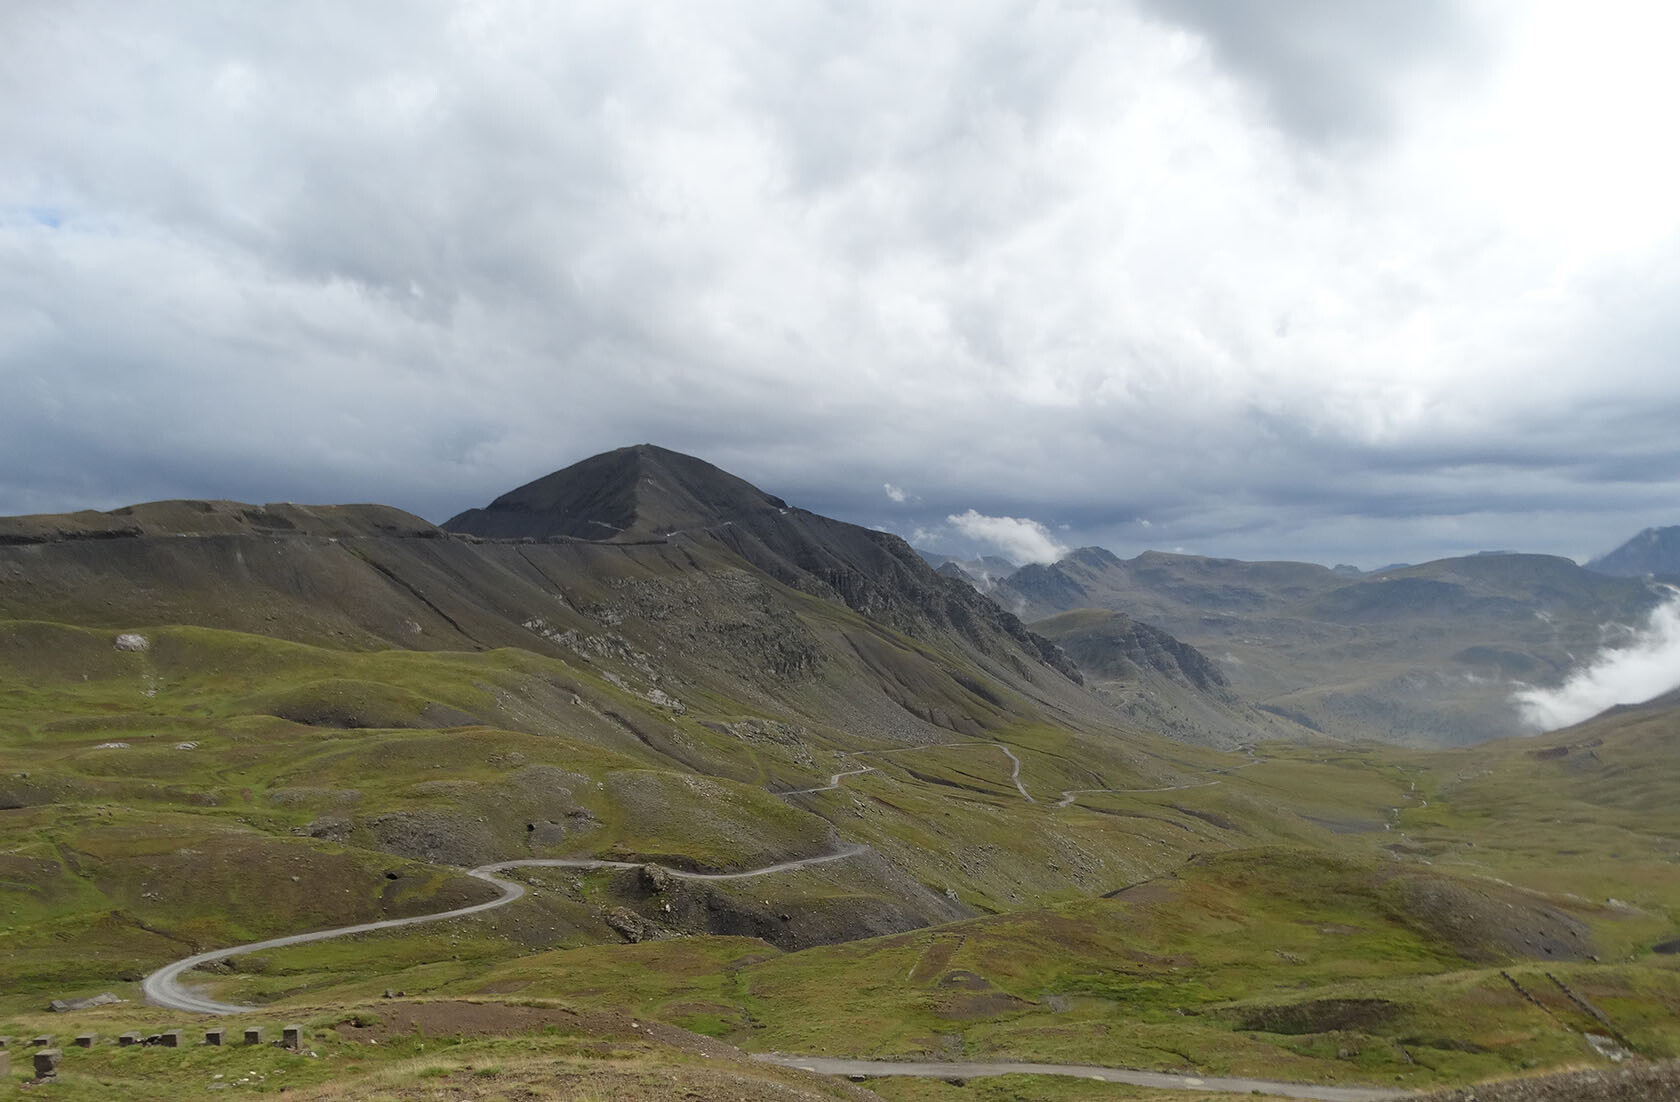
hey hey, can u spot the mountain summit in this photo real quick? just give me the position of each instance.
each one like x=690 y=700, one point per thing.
x=628 y=494
x=1653 y=551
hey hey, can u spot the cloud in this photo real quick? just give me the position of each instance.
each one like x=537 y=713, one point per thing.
x=1646 y=666
x=1282 y=283
x=894 y=492
x=1020 y=539
x=1329 y=69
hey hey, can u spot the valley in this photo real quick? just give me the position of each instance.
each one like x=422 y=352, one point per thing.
x=641 y=772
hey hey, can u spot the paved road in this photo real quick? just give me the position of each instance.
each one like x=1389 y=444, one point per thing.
x=964 y=1070
x=164 y=987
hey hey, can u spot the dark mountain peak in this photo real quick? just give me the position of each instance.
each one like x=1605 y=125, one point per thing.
x=1653 y=551
x=639 y=492
x=1092 y=556
x=645 y=494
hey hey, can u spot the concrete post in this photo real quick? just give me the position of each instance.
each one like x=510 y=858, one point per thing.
x=214 y=1036
x=46 y=1063
x=170 y=1038
x=86 y=1040
x=5 y=1062
x=253 y=1036
x=292 y=1037
x=129 y=1039
x=42 y=1041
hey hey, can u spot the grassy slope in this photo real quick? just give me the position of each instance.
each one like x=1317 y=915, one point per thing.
x=1299 y=955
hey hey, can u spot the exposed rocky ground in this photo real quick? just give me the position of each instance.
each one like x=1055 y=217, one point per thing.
x=1630 y=1083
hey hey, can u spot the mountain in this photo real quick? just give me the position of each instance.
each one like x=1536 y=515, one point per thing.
x=1159 y=681
x=1655 y=551
x=748 y=776
x=647 y=494
x=636 y=493
x=981 y=570
x=1426 y=654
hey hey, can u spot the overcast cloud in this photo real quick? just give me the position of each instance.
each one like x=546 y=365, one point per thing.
x=1343 y=280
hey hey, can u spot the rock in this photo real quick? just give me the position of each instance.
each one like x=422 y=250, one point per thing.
x=631 y=926
x=46 y=1063
x=60 y=1006
x=130 y=641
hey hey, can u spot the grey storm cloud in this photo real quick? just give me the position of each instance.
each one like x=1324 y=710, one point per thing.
x=1331 y=70
x=1349 y=281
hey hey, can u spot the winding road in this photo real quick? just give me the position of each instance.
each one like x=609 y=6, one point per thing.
x=164 y=987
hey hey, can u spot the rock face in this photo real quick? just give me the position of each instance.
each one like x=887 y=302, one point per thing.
x=1655 y=551
x=1160 y=680
x=1115 y=645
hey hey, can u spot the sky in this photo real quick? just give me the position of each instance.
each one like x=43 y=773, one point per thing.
x=1335 y=280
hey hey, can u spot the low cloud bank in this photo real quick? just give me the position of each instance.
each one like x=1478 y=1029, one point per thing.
x=1647 y=666
x=1020 y=539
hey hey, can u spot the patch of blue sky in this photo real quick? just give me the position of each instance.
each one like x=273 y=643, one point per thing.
x=50 y=217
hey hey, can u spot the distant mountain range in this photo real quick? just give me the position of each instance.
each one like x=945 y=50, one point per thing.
x=1655 y=552
x=1426 y=654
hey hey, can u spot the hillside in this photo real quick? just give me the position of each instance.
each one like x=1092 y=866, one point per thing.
x=762 y=783
x=1426 y=654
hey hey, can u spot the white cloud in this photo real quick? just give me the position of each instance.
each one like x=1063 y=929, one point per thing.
x=1089 y=261
x=1020 y=539
x=894 y=492
x=1646 y=666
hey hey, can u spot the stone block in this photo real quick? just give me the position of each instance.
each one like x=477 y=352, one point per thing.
x=46 y=1063
x=292 y=1037
x=253 y=1036
x=5 y=1062
x=86 y=1040
x=129 y=1039
x=170 y=1039
x=214 y=1036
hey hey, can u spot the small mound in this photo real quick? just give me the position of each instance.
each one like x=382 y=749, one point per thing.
x=349 y=704
x=1490 y=922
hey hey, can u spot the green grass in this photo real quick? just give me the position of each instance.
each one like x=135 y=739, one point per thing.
x=1289 y=946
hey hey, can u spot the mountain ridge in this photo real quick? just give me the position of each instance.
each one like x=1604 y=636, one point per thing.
x=1654 y=551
